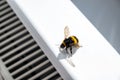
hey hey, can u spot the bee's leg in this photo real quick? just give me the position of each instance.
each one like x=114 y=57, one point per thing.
x=67 y=50
x=71 y=51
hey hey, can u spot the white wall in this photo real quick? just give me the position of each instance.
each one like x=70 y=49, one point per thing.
x=105 y=16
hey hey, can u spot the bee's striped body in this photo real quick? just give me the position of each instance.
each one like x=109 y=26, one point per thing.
x=69 y=42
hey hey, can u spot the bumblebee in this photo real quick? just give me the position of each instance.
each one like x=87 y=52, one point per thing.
x=69 y=42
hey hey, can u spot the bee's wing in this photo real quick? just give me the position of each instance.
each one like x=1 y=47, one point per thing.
x=66 y=32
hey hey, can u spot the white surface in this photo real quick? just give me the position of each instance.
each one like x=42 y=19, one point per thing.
x=96 y=60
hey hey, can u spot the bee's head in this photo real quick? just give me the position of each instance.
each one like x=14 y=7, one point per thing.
x=62 y=46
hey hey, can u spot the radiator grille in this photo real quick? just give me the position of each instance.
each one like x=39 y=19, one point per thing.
x=19 y=52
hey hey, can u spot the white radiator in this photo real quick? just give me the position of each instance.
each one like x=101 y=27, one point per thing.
x=20 y=56
x=45 y=20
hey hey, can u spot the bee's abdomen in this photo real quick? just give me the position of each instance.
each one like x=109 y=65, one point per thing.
x=74 y=39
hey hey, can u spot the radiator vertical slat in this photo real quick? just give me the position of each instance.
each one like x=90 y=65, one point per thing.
x=18 y=48
x=41 y=73
x=36 y=68
x=16 y=56
x=8 y=21
x=14 y=37
x=4 y=6
x=12 y=32
x=22 y=68
x=51 y=75
x=7 y=16
x=1 y=2
x=10 y=27
x=2 y=13
x=11 y=67
x=21 y=61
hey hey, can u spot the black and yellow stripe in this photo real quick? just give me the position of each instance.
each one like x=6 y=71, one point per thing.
x=74 y=39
